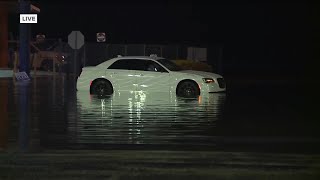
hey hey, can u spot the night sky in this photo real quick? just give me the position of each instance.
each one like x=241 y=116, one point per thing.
x=275 y=34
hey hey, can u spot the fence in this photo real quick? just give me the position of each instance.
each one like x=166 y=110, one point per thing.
x=96 y=53
x=93 y=53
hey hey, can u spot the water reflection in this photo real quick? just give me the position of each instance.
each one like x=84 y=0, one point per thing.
x=4 y=122
x=24 y=111
x=56 y=116
x=144 y=118
x=53 y=115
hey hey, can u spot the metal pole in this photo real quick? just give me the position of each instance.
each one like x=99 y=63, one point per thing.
x=24 y=48
x=75 y=56
x=220 y=60
x=125 y=49
x=84 y=55
x=177 y=52
x=53 y=67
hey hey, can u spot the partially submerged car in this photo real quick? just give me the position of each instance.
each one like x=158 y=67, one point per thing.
x=149 y=74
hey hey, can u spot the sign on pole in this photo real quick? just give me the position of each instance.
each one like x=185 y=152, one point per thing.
x=101 y=37
x=76 y=39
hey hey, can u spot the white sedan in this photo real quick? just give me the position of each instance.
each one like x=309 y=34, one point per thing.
x=148 y=74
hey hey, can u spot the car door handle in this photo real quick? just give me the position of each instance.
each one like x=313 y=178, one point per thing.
x=140 y=74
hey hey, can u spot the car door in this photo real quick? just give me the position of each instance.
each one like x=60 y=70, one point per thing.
x=122 y=76
x=152 y=77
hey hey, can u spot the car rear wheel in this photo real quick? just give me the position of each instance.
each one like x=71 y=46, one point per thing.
x=188 y=89
x=101 y=88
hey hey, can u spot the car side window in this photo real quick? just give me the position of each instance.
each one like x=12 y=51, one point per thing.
x=137 y=64
x=153 y=66
x=120 y=64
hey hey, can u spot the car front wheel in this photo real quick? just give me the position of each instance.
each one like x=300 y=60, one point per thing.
x=101 y=88
x=188 y=89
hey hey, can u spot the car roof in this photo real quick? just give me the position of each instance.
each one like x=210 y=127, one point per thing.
x=130 y=57
x=139 y=57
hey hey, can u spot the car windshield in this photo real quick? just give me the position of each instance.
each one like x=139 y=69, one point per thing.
x=169 y=64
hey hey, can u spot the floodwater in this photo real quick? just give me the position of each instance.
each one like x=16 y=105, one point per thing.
x=48 y=113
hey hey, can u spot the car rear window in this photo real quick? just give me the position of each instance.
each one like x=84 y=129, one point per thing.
x=120 y=64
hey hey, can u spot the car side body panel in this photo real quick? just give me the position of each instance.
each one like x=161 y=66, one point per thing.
x=136 y=80
x=153 y=81
x=122 y=80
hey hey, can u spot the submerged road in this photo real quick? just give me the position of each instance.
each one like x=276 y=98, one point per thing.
x=256 y=130
x=250 y=116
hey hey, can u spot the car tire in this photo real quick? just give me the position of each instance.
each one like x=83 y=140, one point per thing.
x=188 y=89
x=101 y=88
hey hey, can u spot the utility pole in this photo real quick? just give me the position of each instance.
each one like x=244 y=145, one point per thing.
x=24 y=39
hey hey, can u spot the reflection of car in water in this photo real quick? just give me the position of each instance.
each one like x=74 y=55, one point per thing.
x=148 y=74
x=139 y=100
x=139 y=117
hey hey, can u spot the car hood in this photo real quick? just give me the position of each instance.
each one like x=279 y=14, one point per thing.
x=202 y=73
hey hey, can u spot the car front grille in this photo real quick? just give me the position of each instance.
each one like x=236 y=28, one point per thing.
x=221 y=82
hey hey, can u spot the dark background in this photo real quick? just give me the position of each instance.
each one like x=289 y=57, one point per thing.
x=261 y=42
x=279 y=38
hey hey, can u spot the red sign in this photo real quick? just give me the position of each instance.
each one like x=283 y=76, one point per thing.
x=101 y=37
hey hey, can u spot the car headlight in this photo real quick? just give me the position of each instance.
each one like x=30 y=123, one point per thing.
x=208 y=80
